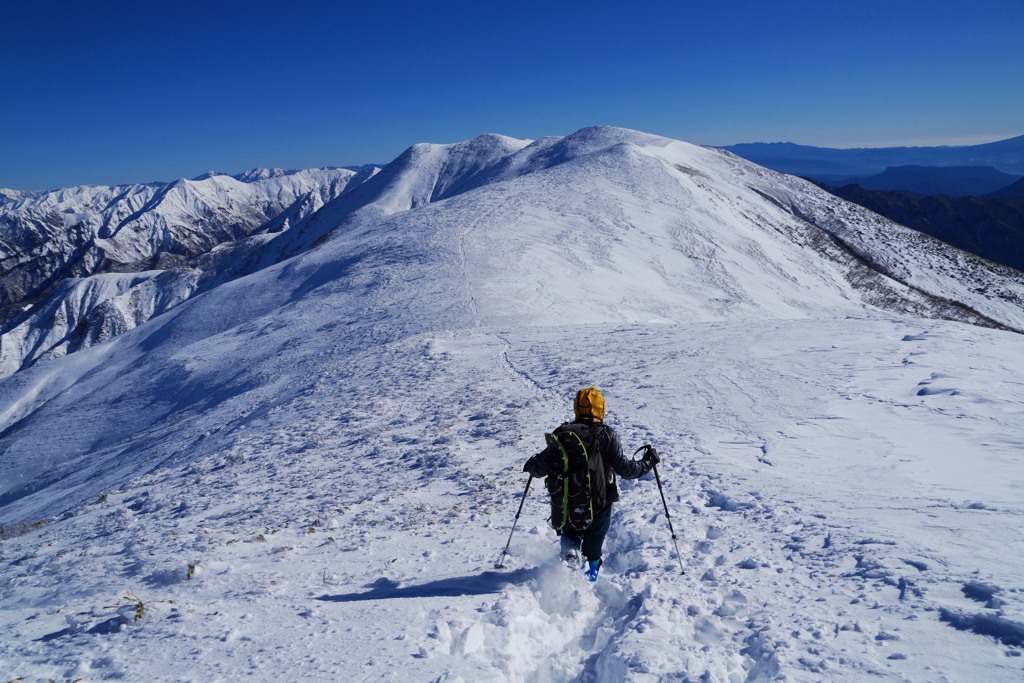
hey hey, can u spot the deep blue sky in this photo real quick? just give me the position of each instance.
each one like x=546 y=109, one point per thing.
x=111 y=92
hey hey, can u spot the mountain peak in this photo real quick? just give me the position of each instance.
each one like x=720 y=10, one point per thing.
x=255 y=174
x=205 y=176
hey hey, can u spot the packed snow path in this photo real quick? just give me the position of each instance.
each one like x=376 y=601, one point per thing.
x=845 y=493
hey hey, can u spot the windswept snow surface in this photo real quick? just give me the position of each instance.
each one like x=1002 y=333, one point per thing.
x=847 y=495
x=310 y=471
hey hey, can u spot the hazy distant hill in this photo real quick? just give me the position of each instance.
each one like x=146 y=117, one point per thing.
x=830 y=165
x=1015 y=190
x=955 y=181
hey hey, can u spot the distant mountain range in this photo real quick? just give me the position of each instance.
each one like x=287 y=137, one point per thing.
x=1015 y=190
x=75 y=232
x=83 y=264
x=971 y=197
x=833 y=166
x=954 y=181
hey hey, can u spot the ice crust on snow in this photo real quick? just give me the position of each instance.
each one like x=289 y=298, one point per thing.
x=310 y=465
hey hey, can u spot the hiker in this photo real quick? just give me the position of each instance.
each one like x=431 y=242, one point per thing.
x=586 y=533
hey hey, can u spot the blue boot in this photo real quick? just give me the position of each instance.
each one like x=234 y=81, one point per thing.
x=593 y=566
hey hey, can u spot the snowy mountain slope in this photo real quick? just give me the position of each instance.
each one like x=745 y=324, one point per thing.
x=588 y=234
x=365 y=407
x=518 y=193
x=687 y=218
x=428 y=172
x=83 y=230
x=952 y=278
x=178 y=224
x=82 y=312
x=706 y=226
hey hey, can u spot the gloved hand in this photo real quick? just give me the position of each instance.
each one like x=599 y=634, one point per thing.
x=650 y=458
x=534 y=467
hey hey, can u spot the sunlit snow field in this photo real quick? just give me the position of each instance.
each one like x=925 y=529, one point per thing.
x=847 y=495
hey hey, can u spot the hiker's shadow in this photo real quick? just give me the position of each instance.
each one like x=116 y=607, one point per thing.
x=485 y=583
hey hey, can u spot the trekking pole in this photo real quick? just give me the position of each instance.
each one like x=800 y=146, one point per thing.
x=667 y=515
x=669 y=518
x=500 y=564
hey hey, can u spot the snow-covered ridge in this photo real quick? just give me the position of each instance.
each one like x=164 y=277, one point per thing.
x=80 y=230
x=724 y=237
x=603 y=226
x=53 y=243
x=682 y=232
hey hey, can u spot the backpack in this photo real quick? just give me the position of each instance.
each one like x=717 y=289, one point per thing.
x=579 y=489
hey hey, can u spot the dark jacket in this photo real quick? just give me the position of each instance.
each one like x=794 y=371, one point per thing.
x=549 y=461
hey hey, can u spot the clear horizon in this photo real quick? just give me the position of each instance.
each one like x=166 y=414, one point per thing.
x=128 y=93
